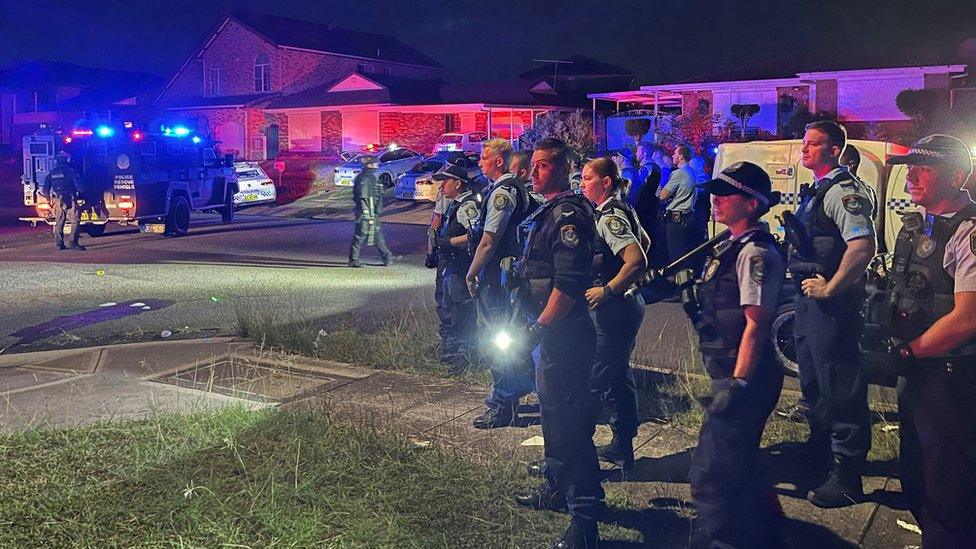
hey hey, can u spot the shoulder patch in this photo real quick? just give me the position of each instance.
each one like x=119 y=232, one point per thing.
x=500 y=201
x=853 y=204
x=757 y=269
x=471 y=210
x=711 y=269
x=616 y=226
x=925 y=247
x=569 y=236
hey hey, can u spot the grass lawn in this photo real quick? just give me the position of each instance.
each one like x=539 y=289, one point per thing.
x=242 y=478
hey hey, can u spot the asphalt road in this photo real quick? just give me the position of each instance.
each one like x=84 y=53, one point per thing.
x=196 y=284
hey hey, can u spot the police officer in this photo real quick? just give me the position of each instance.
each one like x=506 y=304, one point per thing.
x=505 y=205
x=459 y=339
x=62 y=188
x=679 y=193
x=737 y=299
x=617 y=314
x=432 y=261
x=367 y=194
x=556 y=264
x=836 y=218
x=933 y=293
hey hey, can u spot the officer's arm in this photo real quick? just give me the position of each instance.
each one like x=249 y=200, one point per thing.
x=558 y=306
x=572 y=258
x=665 y=193
x=483 y=253
x=852 y=265
x=758 y=319
x=635 y=262
x=950 y=331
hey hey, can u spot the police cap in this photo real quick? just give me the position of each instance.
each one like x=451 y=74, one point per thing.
x=744 y=178
x=453 y=172
x=937 y=150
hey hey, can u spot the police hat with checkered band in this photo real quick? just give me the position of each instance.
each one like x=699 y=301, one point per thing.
x=937 y=150
x=452 y=171
x=744 y=178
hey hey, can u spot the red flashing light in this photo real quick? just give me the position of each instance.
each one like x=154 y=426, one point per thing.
x=137 y=136
x=82 y=133
x=126 y=202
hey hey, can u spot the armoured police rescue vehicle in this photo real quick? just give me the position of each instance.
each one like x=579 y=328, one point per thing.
x=152 y=179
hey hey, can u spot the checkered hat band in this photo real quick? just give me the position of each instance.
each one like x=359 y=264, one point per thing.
x=930 y=152
x=748 y=190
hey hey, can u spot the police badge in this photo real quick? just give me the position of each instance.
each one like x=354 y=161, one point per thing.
x=616 y=226
x=499 y=202
x=711 y=269
x=925 y=247
x=569 y=236
x=853 y=204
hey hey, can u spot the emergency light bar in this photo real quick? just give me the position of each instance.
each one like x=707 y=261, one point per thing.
x=82 y=133
x=105 y=131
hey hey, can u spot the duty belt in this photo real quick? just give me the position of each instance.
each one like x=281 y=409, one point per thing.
x=677 y=216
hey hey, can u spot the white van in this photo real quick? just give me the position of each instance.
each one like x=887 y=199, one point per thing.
x=781 y=160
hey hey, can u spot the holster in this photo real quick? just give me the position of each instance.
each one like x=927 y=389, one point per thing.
x=678 y=217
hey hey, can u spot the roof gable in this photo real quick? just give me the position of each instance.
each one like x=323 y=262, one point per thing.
x=354 y=82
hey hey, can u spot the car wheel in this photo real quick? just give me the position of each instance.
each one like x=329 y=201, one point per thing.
x=783 y=341
x=178 y=217
x=386 y=180
x=94 y=230
x=227 y=212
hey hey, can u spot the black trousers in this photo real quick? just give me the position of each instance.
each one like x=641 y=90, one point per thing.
x=682 y=237
x=616 y=323
x=460 y=332
x=441 y=305
x=362 y=230
x=938 y=449
x=66 y=210
x=832 y=373
x=562 y=365
x=735 y=505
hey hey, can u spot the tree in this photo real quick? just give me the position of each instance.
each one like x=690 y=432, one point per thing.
x=921 y=106
x=574 y=128
x=743 y=112
x=637 y=128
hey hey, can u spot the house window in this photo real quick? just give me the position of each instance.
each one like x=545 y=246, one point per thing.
x=215 y=77
x=365 y=68
x=262 y=73
x=387 y=71
x=305 y=132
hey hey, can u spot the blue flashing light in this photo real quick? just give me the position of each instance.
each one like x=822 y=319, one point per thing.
x=105 y=131
x=181 y=131
x=196 y=139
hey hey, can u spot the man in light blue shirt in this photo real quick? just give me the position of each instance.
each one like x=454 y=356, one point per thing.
x=679 y=194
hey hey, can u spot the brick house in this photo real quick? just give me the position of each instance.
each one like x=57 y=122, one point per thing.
x=859 y=92
x=266 y=85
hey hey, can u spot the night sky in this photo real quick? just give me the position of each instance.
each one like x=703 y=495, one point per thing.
x=661 y=40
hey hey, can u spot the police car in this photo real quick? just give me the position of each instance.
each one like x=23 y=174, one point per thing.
x=149 y=177
x=253 y=185
x=418 y=183
x=393 y=163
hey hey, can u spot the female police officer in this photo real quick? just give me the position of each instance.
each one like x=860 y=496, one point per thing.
x=737 y=296
x=617 y=315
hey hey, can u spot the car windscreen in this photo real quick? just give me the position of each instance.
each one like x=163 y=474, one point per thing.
x=427 y=166
x=449 y=139
x=251 y=174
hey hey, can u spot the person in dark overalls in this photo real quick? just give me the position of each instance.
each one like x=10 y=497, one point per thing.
x=933 y=328
x=555 y=265
x=737 y=298
x=617 y=313
x=459 y=340
x=837 y=219
x=62 y=188
x=367 y=193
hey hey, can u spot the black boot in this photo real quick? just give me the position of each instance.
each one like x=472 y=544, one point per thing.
x=842 y=488
x=495 y=417
x=542 y=498
x=536 y=468
x=619 y=452
x=579 y=535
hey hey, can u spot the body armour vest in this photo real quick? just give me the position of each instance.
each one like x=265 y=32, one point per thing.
x=828 y=243
x=458 y=256
x=921 y=291
x=722 y=319
x=607 y=264
x=508 y=245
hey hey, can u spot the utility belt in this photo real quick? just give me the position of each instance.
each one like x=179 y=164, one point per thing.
x=677 y=216
x=803 y=270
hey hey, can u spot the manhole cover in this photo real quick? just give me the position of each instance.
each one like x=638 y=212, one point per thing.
x=250 y=379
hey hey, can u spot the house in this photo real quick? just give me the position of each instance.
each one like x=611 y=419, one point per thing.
x=858 y=91
x=58 y=94
x=265 y=85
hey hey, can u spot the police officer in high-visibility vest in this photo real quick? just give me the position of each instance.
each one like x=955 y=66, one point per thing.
x=929 y=311
x=837 y=219
x=555 y=265
x=737 y=297
x=616 y=311
x=459 y=340
x=63 y=188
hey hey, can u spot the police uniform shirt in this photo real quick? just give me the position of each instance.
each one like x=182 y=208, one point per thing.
x=960 y=257
x=849 y=204
x=614 y=227
x=761 y=272
x=467 y=214
x=682 y=187
x=501 y=204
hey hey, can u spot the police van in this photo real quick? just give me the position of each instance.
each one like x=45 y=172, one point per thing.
x=149 y=178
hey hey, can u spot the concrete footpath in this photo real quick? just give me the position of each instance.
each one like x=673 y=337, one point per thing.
x=79 y=386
